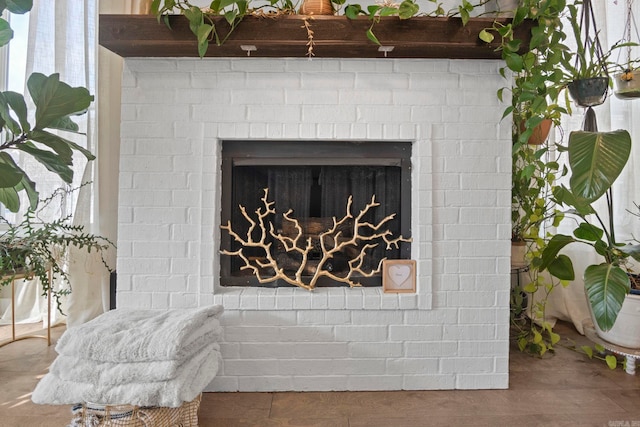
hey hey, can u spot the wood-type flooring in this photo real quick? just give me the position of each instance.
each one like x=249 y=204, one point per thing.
x=564 y=389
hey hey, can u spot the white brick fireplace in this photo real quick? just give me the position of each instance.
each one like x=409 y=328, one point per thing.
x=451 y=334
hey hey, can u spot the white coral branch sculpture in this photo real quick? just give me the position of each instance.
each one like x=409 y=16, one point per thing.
x=332 y=241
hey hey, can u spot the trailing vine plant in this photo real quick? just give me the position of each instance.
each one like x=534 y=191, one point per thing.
x=535 y=81
x=204 y=25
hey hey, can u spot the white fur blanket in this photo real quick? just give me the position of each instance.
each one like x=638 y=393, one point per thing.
x=133 y=335
x=69 y=368
x=192 y=377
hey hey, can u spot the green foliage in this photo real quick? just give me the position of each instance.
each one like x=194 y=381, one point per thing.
x=55 y=103
x=537 y=80
x=596 y=160
x=204 y=28
x=588 y=60
x=38 y=247
x=598 y=352
x=532 y=333
x=18 y=7
x=201 y=22
x=532 y=181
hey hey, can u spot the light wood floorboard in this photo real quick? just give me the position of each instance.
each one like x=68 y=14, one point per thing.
x=564 y=389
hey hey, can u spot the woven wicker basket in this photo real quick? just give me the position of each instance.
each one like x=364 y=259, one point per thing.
x=88 y=415
x=316 y=7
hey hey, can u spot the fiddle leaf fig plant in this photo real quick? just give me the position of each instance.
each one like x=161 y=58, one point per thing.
x=55 y=103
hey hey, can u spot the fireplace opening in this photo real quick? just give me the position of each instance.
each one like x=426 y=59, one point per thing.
x=308 y=187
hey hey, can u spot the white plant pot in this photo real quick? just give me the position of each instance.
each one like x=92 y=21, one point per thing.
x=501 y=8
x=626 y=330
x=628 y=88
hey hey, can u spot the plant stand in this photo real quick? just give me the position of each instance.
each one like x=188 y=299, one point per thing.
x=25 y=275
x=630 y=354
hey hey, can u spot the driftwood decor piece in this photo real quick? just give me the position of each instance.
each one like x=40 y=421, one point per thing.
x=348 y=236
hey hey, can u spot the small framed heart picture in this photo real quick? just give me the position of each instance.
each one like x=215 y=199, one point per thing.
x=399 y=275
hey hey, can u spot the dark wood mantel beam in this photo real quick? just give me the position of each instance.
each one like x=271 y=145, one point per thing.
x=285 y=36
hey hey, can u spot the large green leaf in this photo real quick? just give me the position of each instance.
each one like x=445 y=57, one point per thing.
x=66 y=124
x=60 y=145
x=6 y=33
x=19 y=106
x=10 y=175
x=30 y=188
x=56 y=100
x=553 y=248
x=57 y=144
x=19 y=7
x=596 y=160
x=9 y=195
x=563 y=196
x=49 y=160
x=606 y=286
x=8 y=121
x=562 y=268
x=10 y=199
x=589 y=232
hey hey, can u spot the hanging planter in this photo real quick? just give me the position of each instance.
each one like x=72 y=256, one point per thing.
x=627 y=83
x=588 y=75
x=589 y=92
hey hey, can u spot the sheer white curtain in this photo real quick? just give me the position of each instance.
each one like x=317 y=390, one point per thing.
x=62 y=38
x=570 y=303
x=99 y=209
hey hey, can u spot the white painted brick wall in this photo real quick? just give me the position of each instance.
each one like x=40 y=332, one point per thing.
x=453 y=333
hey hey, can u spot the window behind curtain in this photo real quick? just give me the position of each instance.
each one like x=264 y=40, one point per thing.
x=55 y=37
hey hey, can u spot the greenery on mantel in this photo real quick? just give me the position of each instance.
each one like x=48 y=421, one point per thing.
x=204 y=28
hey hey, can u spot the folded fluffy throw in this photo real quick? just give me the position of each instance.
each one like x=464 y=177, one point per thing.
x=69 y=368
x=133 y=335
x=192 y=377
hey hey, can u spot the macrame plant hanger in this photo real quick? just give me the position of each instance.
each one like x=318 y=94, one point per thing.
x=591 y=43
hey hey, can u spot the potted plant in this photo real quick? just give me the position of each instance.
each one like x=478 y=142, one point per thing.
x=37 y=248
x=627 y=77
x=627 y=82
x=586 y=69
x=595 y=160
